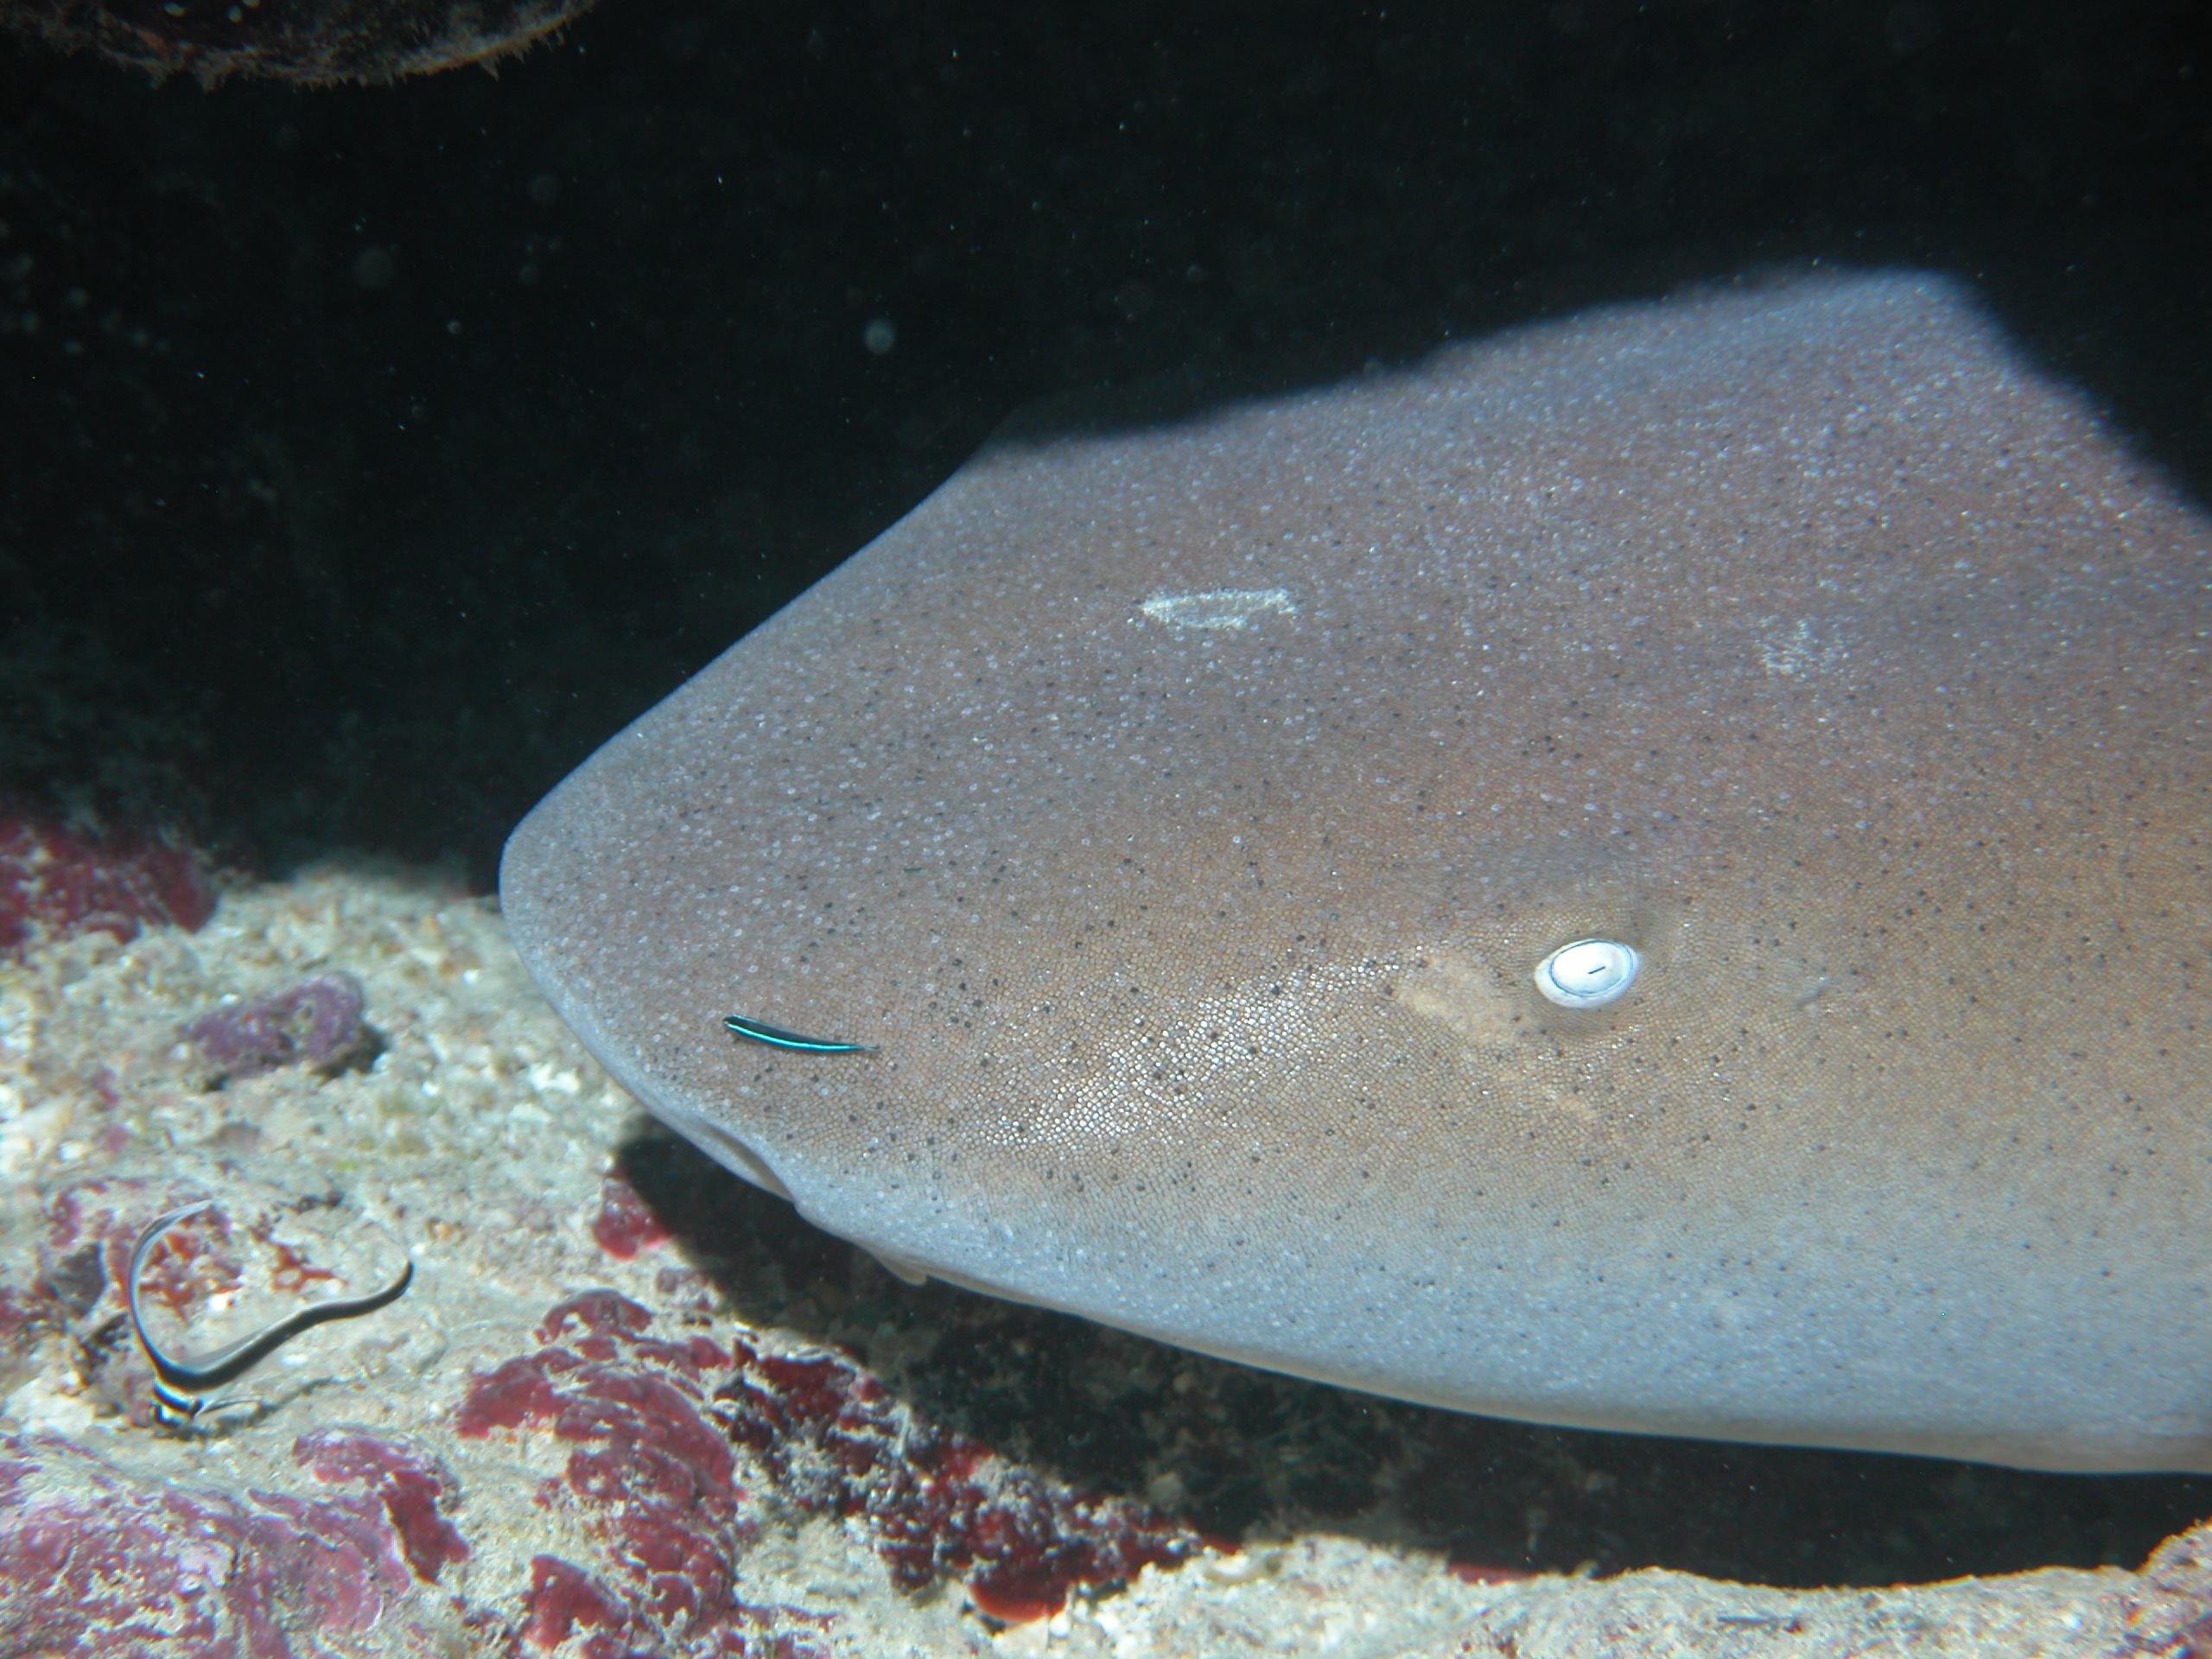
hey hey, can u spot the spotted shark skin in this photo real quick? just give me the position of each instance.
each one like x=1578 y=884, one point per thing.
x=1180 y=813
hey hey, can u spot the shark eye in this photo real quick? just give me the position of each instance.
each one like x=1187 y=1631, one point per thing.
x=1587 y=974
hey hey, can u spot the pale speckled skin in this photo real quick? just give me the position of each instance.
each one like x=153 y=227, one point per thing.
x=1804 y=636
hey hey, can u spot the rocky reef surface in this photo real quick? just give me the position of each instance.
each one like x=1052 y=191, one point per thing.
x=627 y=1406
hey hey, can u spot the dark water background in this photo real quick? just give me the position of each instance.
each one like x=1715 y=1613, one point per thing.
x=366 y=456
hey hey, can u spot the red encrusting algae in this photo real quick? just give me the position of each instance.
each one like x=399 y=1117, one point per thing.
x=59 y=880
x=407 y=1480
x=935 y=1503
x=91 y=1226
x=319 y=1022
x=623 y=1225
x=654 y=1479
x=656 y=1420
x=562 y=1596
x=102 y=1563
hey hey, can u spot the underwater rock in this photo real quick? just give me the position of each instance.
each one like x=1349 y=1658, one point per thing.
x=58 y=880
x=97 y=1561
x=313 y=42
x=656 y=1421
x=317 y=1022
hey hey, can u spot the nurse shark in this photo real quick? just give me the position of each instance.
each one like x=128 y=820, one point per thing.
x=1652 y=872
